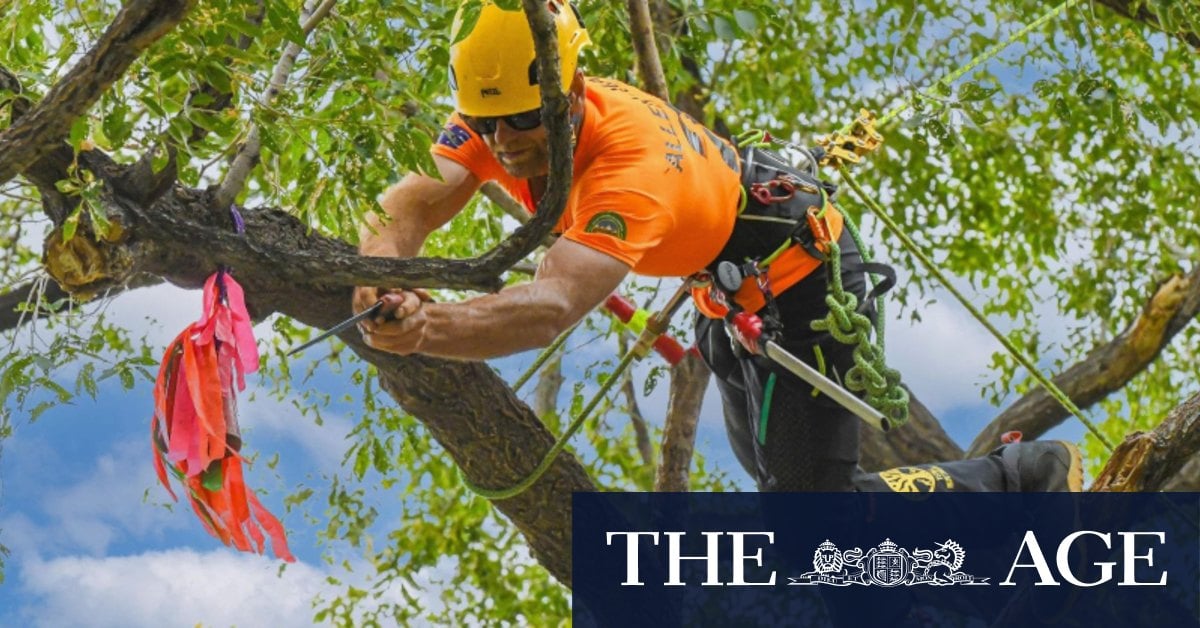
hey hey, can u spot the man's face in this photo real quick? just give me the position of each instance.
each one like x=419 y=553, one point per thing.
x=526 y=154
x=523 y=154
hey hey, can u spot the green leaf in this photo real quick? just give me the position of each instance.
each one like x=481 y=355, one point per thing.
x=724 y=28
x=469 y=17
x=79 y=131
x=70 y=225
x=746 y=20
x=973 y=92
x=1062 y=109
x=213 y=478
x=127 y=380
x=1044 y=88
x=1087 y=86
x=40 y=409
x=61 y=393
x=380 y=457
x=362 y=459
x=100 y=222
x=117 y=125
x=86 y=380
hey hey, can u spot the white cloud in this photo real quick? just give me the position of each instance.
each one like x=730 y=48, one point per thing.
x=325 y=444
x=179 y=587
x=944 y=357
x=108 y=503
x=184 y=587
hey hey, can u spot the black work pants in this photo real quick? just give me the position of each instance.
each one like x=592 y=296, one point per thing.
x=793 y=439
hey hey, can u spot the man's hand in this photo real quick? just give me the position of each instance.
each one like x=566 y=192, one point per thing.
x=396 y=327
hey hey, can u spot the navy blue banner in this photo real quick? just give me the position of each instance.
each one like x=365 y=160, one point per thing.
x=878 y=559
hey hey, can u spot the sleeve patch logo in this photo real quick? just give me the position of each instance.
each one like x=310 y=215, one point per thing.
x=608 y=223
x=453 y=136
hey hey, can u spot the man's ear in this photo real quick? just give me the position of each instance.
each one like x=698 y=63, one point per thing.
x=578 y=90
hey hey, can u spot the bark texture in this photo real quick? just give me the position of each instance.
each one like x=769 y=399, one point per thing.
x=689 y=379
x=1149 y=461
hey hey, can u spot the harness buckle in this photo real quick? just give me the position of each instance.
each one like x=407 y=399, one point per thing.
x=763 y=192
x=818 y=224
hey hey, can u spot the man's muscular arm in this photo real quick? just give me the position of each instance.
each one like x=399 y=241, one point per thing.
x=572 y=280
x=416 y=206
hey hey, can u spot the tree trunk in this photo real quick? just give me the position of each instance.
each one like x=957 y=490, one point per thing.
x=689 y=379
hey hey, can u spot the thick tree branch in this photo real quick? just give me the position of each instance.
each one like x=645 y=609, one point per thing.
x=649 y=65
x=1148 y=461
x=1174 y=304
x=248 y=155
x=919 y=441
x=137 y=25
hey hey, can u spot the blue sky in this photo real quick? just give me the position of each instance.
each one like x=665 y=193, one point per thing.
x=92 y=543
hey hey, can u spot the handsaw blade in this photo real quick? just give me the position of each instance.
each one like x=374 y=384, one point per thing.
x=814 y=377
x=340 y=327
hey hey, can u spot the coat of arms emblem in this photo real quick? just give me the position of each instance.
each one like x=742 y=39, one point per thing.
x=888 y=565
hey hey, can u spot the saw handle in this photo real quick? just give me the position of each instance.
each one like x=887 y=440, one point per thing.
x=628 y=313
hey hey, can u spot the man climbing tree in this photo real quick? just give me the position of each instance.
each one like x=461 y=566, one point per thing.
x=656 y=193
x=1059 y=183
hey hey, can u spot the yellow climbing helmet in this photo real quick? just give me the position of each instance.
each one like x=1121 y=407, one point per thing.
x=493 y=70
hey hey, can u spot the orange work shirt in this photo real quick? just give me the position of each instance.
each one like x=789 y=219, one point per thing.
x=651 y=187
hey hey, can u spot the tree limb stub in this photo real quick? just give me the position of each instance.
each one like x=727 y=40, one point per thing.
x=1147 y=461
x=1106 y=369
x=137 y=25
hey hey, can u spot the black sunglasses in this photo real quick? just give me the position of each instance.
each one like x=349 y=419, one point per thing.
x=486 y=125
